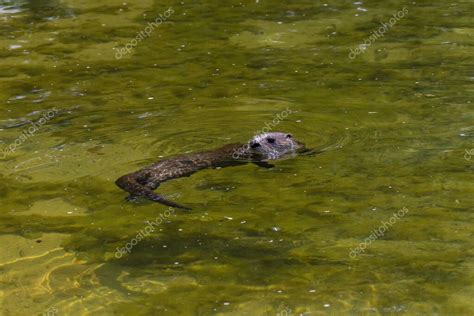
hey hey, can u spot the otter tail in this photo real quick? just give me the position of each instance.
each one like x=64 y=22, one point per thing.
x=130 y=184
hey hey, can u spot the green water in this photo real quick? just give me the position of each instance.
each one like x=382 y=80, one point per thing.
x=396 y=123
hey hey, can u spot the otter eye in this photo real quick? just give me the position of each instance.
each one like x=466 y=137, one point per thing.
x=254 y=145
x=271 y=140
x=289 y=136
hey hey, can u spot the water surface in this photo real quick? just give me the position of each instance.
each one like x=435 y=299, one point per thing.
x=396 y=123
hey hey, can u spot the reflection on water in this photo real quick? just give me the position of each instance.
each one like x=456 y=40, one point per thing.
x=392 y=129
x=6 y=8
x=37 y=9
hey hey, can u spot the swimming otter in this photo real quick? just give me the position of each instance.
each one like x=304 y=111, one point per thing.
x=258 y=150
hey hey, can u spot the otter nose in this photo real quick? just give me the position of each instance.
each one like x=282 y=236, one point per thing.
x=254 y=144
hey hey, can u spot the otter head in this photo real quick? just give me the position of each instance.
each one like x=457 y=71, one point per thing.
x=274 y=145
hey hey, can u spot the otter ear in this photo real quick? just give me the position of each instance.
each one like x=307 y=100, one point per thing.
x=254 y=144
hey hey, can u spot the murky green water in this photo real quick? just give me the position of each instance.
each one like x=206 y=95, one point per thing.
x=397 y=121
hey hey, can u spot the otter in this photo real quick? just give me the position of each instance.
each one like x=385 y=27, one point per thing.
x=259 y=150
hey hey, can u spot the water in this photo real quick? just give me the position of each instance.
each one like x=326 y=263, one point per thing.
x=395 y=121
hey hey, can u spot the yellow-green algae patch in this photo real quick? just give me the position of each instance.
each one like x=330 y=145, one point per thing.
x=54 y=207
